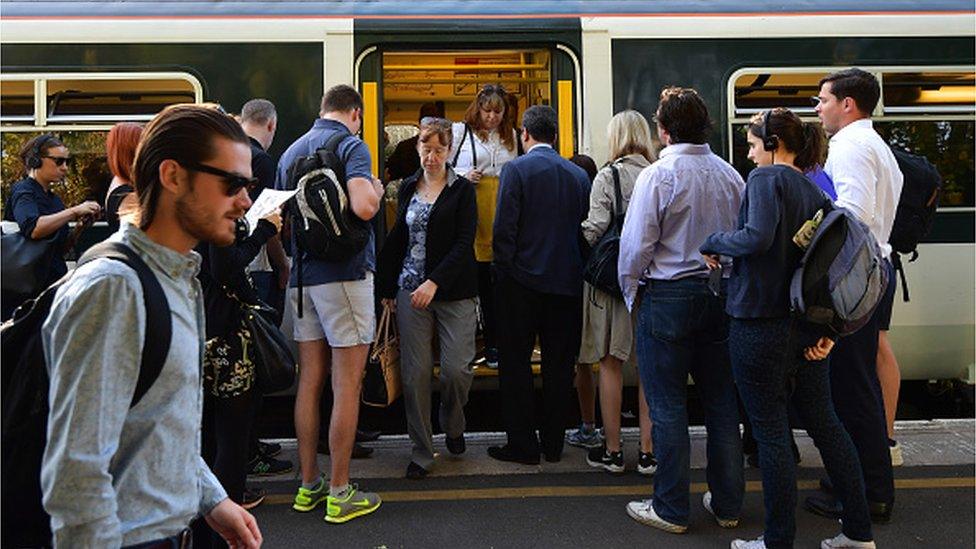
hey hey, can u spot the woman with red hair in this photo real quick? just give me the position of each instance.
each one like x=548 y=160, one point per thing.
x=120 y=146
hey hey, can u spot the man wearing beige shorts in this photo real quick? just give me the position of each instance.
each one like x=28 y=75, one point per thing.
x=334 y=325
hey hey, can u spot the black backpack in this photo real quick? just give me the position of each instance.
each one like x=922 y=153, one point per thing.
x=600 y=269
x=25 y=394
x=322 y=221
x=916 y=208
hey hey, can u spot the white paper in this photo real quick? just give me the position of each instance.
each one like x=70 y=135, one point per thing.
x=268 y=201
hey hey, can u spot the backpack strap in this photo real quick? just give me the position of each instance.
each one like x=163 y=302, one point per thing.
x=159 y=329
x=331 y=146
x=618 y=199
x=900 y=269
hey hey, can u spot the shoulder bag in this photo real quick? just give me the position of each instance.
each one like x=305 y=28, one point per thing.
x=601 y=267
x=381 y=380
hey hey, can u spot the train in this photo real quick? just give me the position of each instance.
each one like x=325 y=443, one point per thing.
x=76 y=68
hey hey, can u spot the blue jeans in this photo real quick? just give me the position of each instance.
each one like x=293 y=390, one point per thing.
x=682 y=329
x=768 y=365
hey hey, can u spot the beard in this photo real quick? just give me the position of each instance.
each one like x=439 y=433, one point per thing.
x=201 y=224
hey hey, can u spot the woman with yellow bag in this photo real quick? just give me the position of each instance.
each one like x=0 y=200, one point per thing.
x=481 y=145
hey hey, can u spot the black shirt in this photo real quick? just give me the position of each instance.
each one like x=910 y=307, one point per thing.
x=450 y=241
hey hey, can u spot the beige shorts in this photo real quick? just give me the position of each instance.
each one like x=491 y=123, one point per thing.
x=342 y=313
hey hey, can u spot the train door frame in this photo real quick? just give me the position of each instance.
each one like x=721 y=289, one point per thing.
x=564 y=92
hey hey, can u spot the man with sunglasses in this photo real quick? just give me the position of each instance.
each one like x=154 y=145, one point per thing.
x=337 y=320
x=115 y=475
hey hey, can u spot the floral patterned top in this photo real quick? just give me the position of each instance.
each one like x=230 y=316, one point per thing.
x=418 y=214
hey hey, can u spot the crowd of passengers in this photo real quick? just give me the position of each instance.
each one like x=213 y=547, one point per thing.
x=491 y=235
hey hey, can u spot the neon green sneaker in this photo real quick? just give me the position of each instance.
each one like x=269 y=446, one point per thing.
x=306 y=500
x=355 y=504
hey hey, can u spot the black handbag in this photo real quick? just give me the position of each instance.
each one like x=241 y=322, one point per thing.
x=25 y=262
x=601 y=267
x=274 y=363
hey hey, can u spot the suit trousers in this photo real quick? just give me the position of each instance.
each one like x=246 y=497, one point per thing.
x=455 y=323
x=857 y=398
x=556 y=320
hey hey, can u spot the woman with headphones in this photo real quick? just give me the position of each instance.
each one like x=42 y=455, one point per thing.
x=38 y=212
x=777 y=358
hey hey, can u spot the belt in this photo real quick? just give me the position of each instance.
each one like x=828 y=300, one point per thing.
x=183 y=540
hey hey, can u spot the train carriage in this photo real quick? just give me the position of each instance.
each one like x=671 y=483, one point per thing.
x=79 y=67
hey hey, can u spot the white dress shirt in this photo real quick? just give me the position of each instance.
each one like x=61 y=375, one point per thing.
x=866 y=177
x=492 y=154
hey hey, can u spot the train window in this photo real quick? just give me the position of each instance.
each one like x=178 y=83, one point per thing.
x=929 y=91
x=81 y=100
x=88 y=176
x=49 y=99
x=925 y=110
x=17 y=101
x=756 y=91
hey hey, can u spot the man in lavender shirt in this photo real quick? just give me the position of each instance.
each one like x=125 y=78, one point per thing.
x=682 y=328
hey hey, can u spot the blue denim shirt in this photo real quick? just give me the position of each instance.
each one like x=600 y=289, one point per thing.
x=112 y=475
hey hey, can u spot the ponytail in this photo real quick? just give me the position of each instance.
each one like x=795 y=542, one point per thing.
x=812 y=151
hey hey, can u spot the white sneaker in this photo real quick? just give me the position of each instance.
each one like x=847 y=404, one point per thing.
x=724 y=523
x=757 y=543
x=844 y=542
x=897 y=460
x=643 y=512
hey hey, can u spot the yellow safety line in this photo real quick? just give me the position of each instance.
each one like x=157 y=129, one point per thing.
x=465 y=494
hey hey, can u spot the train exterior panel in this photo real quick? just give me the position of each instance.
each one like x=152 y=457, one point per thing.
x=587 y=59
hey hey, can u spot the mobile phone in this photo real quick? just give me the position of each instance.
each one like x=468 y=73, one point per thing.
x=715 y=281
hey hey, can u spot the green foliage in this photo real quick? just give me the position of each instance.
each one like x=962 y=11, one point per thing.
x=88 y=177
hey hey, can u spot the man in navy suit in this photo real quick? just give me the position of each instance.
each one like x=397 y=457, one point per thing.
x=542 y=199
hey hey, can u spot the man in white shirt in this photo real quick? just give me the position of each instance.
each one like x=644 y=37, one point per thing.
x=868 y=183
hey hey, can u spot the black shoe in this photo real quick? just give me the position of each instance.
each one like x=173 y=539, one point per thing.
x=416 y=472
x=505 y=453
x=367 y=436
x=253 y=497
x=264 y=467
x=604 y=459
x=455 y=445
x=358 y=451
x=831 y=508
x=826 y=487
x=268 y=449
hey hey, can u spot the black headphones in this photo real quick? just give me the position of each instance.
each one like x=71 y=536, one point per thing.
x=34 y=159
x=770 y=142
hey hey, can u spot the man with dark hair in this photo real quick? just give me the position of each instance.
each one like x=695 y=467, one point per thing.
x=868 y=183
x=338 y=318
x=118 y=476
x=538 y=263
x=404 y=161
x=682 y=328
x=259 y=120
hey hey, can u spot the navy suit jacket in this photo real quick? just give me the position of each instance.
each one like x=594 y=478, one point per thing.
x=542 y=200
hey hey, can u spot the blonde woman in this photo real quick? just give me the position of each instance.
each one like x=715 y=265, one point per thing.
x=608 y=328
x=481 y=145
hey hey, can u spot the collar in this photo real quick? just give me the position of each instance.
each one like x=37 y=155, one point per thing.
x=540 y=146
x=635 y=159
x=176 y=265
x=326 y=123
x=38 y=187
x=860 y=123
x=685 y=148
x=255 y=143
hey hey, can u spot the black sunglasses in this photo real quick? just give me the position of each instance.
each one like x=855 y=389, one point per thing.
x=492 y=89
x=234 y=181
x=60 y=160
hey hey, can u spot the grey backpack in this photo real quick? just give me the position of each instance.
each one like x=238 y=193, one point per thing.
x=841 y=277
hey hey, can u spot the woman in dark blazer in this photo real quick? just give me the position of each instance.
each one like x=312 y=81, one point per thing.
x=428 y=272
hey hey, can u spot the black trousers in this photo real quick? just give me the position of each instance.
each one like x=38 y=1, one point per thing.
x=486 y=302
x=857 y=399
x=556 y=320
x=226 y=440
